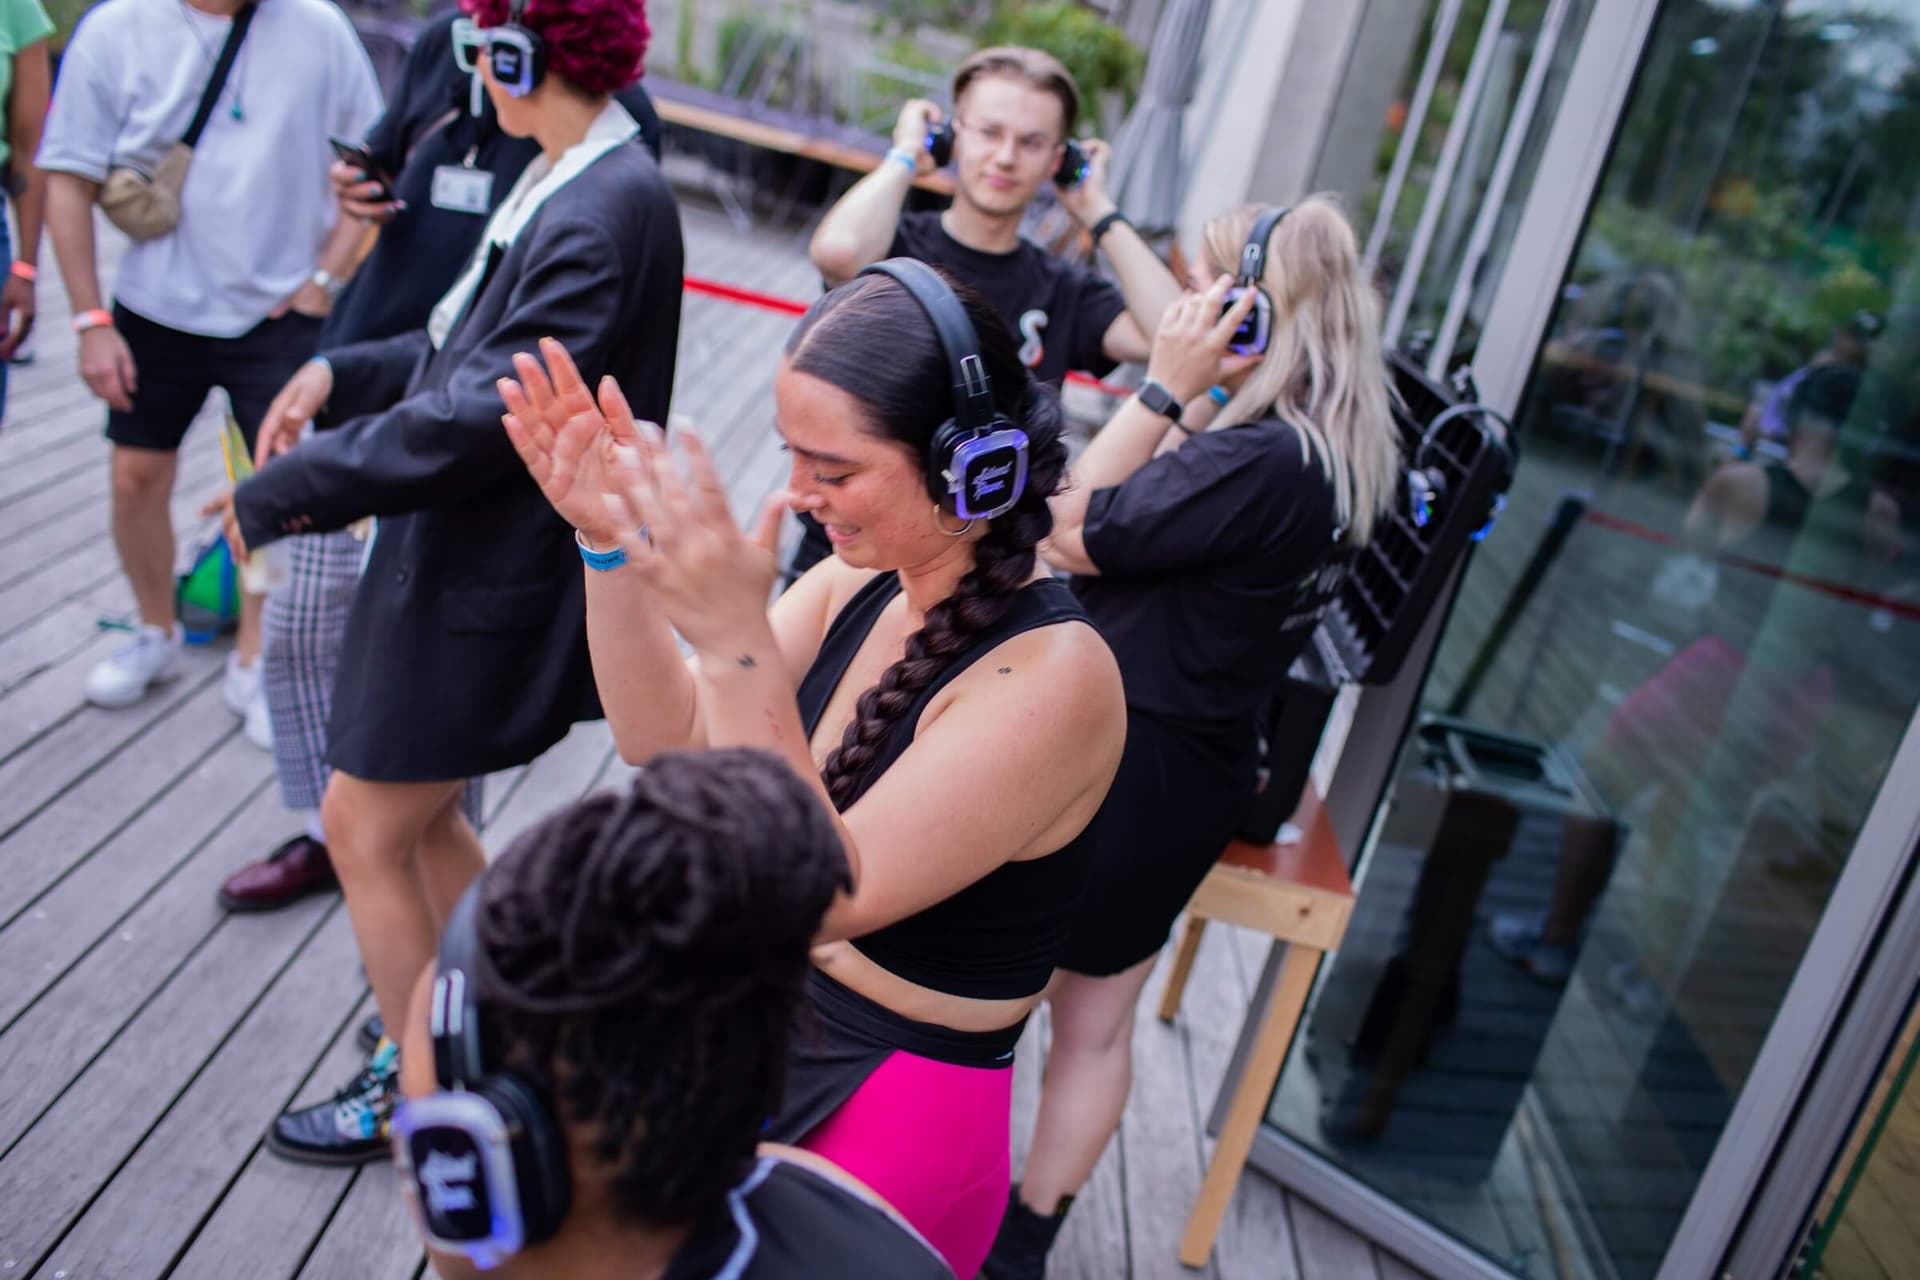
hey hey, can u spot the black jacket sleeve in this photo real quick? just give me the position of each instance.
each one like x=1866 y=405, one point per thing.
x=442 y=445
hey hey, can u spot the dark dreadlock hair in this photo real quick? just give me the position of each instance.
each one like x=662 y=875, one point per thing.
x=908 y=395
x=648 y=955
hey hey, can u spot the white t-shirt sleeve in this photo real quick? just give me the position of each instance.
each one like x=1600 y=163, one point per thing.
x=84 y=122
x=357 y=102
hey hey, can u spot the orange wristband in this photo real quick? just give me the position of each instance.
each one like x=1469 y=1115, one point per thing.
x=98 y=318
x=24 y=269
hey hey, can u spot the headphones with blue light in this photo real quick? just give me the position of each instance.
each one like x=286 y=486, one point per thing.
x=1257 y=328
x=1071 y=172
x=482 y=1161
x=977 y=459
x=516 y=53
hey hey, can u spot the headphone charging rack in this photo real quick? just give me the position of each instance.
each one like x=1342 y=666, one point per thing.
x=1458 y=460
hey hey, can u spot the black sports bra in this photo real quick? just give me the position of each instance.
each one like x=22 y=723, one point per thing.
x=1000 y=937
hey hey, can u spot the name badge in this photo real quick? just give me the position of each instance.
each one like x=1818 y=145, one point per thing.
x=459 y=189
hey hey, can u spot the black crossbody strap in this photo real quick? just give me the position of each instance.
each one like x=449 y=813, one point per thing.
x=228 y=52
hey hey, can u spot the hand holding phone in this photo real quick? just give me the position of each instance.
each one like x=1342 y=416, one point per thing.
x=355 y=155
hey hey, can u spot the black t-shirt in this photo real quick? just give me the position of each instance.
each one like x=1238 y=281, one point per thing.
x=1207 y=556
x=421 y=252
x=1058 y=310
x=787 y=1221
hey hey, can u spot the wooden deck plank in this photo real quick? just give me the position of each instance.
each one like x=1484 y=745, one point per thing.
x=85 y=741
x=1255 y=1240
x=370 y=1237
x=1163 y=1143
x=555 y=779
x=146 y=1215
x=1328 y=1249
x=54 y=1172
x=105 y=847
x=73 y=1023
x=298 y=1200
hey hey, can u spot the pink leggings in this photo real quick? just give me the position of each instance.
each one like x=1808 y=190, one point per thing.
x=931 y=1139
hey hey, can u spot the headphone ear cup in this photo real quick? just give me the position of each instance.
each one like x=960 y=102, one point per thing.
x=940 y=144
x=541 y=1179
x=1073 y=165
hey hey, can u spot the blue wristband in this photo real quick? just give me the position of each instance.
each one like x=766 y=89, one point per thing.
x=906 y=158
x=1218 y=394
x=599 y=561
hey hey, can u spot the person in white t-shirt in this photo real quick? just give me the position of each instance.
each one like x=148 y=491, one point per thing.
x=232 y=297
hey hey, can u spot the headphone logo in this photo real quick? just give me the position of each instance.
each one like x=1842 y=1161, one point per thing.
x=990 y=480
x=448 y=1182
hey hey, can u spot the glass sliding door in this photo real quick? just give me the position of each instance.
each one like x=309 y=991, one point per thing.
x=1675 y=675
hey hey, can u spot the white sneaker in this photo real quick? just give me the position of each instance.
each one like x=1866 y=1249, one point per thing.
x=259 y=723
x=145 y=659
x=241 y=689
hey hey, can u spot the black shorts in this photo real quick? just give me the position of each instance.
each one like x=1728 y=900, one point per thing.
x=1174 y=806
x=174 y=371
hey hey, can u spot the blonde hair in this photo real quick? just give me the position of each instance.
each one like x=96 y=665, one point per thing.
x=1323 y=372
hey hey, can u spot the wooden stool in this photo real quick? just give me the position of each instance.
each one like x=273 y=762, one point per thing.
x=1298 y=894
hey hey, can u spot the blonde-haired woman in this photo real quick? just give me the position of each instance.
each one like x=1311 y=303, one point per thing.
x=1197 y=545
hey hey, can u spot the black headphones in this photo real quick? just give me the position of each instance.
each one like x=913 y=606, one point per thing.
x=517 y=52
x=1254 y=331
x=1073 y=162
x=482 y=1161
x=977 y=458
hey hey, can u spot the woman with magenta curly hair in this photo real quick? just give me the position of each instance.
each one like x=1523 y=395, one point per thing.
x=466 y=649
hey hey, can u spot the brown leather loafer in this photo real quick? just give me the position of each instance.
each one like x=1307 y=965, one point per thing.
x=297 y=868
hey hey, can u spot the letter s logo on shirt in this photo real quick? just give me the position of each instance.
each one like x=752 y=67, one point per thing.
x=1033 y=350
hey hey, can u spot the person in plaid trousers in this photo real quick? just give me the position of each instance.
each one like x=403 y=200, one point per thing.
x=429 y=225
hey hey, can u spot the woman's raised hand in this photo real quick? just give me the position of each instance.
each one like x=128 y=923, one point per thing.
x=710 y=579
x=567 y=439
x=1190 y=346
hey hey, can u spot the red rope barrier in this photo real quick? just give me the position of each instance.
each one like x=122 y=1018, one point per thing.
x=790 y=307
x=1838 y=590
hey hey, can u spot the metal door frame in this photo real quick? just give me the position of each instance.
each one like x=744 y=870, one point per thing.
x=1549 y=229
x=1818 y=1060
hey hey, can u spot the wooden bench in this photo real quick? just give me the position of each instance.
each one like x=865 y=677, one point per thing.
x=774 y=129
x=1298 y=894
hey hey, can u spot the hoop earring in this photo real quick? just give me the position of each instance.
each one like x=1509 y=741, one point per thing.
x=961 y=532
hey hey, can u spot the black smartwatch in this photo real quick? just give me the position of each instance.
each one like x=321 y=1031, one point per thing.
x=1161 y=401
x=1104 y=225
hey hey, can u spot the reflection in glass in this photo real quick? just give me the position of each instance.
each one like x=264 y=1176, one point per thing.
x=1676 y=673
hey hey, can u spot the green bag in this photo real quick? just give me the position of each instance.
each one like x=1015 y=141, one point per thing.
x=206 y=598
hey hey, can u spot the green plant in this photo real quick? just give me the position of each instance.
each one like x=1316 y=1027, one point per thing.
x=755 y=58
x=1098 y=53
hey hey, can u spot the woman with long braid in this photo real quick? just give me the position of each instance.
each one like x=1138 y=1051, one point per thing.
x=959 y=714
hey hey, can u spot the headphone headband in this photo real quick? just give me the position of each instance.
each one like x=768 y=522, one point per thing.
x=1253 y=257
x=455 y=1015
x=972 y=389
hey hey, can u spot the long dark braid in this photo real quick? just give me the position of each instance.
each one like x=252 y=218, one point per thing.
x=909 y=396
x=647 y=956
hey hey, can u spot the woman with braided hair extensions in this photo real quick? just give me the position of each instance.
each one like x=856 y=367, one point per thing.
x=634 y=964
x=946 y=694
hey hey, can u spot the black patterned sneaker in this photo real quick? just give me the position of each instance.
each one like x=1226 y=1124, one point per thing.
x=352 y=1127
x=370 y=1034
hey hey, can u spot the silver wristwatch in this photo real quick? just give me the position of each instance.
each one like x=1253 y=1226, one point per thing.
x=330 y=284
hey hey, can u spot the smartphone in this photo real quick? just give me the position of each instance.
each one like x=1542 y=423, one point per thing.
x=1250 y=337
x=355 y=154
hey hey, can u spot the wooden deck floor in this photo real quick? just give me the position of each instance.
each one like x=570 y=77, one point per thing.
x=147 y=1038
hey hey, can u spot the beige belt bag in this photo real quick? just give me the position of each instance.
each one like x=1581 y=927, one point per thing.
x=147 y=206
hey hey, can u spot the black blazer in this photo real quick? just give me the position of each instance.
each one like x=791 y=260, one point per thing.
x=466 y=648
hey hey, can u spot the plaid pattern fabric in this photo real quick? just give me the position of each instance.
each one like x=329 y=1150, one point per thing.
x=303 y=631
